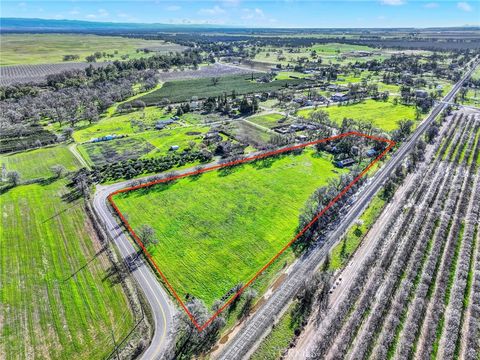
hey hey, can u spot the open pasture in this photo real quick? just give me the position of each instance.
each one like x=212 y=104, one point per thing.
x=383 y=114
x=37 y=163
x=184 y=90
x=58 y=296
x=218 y=229
x=50 y=48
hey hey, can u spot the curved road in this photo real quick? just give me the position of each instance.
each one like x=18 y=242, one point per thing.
x=159 y=301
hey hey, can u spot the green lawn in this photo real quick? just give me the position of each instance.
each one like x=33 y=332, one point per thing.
x=184 y=90
x=219 y=229
x=37 y=163
x=57 y=299
x=50 y=48
x=383 y=115
x=268 y=120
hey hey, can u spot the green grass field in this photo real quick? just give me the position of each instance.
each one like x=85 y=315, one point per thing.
x=383 y=115
x=220 y=228
x=268 y=120
x=57 y=299
x=184 y=90
x=116 y=150
x=282 y=75
x=37 y=163
x=50 y=48
x=327 y=52
x=122 y=124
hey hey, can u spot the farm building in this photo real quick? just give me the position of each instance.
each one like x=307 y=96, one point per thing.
x=159 y=125
x=371 y=152
x=174 y=147
x=106 y=138
x=340 y=97
x=344 y=163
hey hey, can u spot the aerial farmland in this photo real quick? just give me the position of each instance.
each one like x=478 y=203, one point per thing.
x=200 y=191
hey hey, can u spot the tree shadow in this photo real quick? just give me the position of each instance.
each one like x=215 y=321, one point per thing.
x=230 y=169
x=60 y=212
x=101 y=251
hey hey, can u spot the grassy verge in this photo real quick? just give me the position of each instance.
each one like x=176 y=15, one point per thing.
x=279 y=338
x=342 y=251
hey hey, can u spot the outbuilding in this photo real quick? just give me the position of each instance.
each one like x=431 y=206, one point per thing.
x=344 y=163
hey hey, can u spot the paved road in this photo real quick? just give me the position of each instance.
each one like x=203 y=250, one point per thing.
x=159 y=301
x=244 y=342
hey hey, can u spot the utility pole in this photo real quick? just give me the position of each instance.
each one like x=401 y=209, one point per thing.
x=114 y=344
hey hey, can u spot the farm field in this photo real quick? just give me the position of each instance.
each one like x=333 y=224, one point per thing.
x=184 y=90
x=329 y=53
x=57 y=298
x=383 y=115
x=122 y=124
x=421 y=283
x=37 y=163
x=50 y=48
x=204 y=224
x=268 y=120
x=37 y=73
x=145 y=144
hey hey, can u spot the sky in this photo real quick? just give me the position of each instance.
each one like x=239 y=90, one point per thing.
x=260 y=13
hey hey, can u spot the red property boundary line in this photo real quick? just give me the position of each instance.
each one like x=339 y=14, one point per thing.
x=390 y=143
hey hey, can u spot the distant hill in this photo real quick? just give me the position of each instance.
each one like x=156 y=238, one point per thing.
x=48 y=25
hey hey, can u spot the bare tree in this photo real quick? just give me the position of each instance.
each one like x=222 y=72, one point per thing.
x=147 y=235
x=58 y=170
x=13 y=177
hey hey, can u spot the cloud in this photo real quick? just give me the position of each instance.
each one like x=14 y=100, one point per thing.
x=173 y=8
x=431 y=5
x=252 y=14
x=216 y=10
x=74 y=11
x=464 y=6
x=231 y=2
x=101 y=13
x=392 y=2
x=197 y=21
